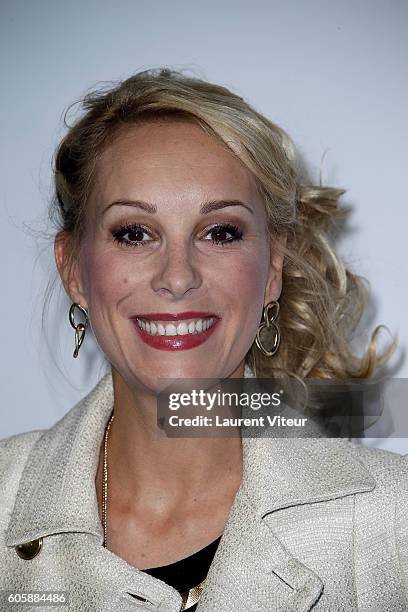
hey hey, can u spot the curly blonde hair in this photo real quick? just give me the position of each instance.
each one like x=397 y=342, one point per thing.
x=321 y=301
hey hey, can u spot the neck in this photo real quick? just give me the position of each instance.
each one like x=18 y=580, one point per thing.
x=153 y=473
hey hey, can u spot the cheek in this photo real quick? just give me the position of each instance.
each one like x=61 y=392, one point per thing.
x=244 y=281
x=243 y=285
x=108 y=277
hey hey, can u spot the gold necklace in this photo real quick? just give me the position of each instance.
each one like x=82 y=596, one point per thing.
x=190 y=597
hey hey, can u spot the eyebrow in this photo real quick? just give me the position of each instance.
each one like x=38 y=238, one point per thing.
x=206 y=208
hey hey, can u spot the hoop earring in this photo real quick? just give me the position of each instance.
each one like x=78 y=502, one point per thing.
x=268 y=321
x=80 y=328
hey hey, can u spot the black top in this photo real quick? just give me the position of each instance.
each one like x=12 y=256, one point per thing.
x=188 y=572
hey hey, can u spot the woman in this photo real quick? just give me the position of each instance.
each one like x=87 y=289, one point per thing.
x=187 y=226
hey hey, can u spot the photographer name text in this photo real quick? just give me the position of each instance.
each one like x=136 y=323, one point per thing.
x=217 y=421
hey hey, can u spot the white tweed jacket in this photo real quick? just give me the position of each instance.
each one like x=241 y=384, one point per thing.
x=317 y=524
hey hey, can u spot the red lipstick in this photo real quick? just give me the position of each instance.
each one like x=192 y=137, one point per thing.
x=177 y=342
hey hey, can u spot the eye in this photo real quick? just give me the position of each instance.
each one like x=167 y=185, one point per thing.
x=131 y=235
x=134 y=231
x=223 y=229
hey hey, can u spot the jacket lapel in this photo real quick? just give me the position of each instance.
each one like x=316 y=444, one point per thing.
x=252 y=570
x=57 y=489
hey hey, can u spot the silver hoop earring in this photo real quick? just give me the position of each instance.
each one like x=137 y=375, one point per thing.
x=268 y=322
x=80 y=328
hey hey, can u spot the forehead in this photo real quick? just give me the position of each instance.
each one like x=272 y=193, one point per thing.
x=178 y=158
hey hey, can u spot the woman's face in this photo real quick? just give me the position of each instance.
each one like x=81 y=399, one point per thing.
x=160 y=240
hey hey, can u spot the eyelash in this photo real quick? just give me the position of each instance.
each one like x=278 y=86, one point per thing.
x=119 y=233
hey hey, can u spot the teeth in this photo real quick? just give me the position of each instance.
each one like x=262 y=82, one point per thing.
x=171 y=330
x=181 y=328
x=161 y=330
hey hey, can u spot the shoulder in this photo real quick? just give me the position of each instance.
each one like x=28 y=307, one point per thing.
x=383 y=514
x=387 y=505
x=14 y=452
x=388 y=468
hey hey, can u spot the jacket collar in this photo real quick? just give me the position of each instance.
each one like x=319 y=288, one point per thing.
x=62 y=465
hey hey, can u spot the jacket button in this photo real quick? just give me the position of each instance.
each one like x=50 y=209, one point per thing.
x=29 y=550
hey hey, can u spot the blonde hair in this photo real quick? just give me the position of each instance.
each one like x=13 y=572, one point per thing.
x=322 y=300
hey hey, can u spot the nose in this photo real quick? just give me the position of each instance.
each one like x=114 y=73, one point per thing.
x=177 y=273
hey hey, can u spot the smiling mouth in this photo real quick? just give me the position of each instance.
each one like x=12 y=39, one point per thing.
x=186 y=327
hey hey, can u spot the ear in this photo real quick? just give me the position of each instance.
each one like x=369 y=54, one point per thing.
x=274 y=284
x=69 y=269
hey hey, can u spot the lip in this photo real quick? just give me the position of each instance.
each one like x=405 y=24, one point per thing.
x=175 y=343
x=167 y=316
